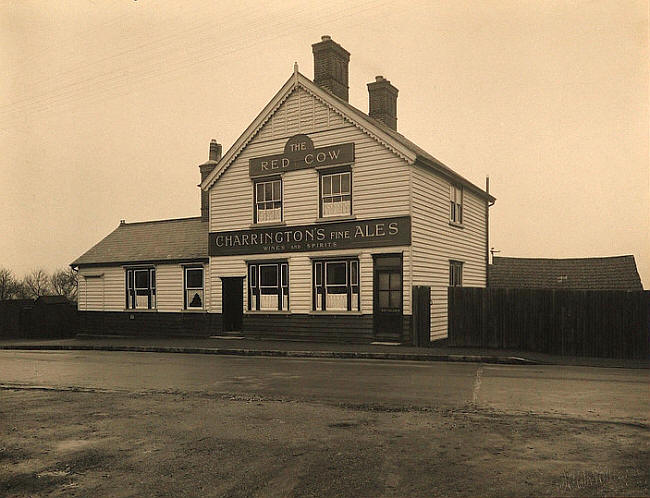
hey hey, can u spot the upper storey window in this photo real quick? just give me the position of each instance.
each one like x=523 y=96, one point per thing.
x=336 y=194
x=456 y=204
x=268 y=201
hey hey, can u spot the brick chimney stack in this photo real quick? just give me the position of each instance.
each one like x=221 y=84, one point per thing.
x=382 y=104
x=215 y=150
x=331 y=66
x=206 y=168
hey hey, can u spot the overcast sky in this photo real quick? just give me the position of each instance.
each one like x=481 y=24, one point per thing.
x=108 y=106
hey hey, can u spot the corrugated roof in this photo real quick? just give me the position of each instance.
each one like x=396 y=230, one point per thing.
x=164 y=240
x=609 y=273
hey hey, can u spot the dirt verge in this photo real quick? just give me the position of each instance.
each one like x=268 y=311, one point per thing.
x=116 y=444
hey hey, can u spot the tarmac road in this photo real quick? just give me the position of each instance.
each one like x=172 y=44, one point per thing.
x=577 y=392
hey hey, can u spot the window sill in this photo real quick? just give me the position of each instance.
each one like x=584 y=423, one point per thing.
x=268 y=224
x=128 y=310
x=332 y=219
x=316 y=313
x=266 y=312
x=194 y=310
x=456 y=225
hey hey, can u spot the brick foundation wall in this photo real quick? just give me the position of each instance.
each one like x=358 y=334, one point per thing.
x=303 y=327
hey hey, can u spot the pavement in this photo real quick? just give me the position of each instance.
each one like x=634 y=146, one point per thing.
x=292 y=349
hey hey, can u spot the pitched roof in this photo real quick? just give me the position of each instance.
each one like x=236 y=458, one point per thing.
x=395 y=141
x=164 y=240
x=610 y=273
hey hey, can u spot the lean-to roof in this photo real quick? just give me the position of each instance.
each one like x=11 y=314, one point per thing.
x=182 y=239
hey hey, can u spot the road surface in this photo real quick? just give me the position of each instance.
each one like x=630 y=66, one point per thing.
x=605 y=394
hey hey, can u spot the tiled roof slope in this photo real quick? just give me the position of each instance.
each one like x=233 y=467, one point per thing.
x=178 y=239
x=611 y=273
x=423 y=154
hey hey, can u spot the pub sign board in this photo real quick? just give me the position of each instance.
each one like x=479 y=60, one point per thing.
x=300 y=153
x=380 y=232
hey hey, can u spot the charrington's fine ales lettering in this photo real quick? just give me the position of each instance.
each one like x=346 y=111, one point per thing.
x=341 y=235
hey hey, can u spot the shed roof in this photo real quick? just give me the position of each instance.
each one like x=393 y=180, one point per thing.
x=609 y=273
x=165 y=240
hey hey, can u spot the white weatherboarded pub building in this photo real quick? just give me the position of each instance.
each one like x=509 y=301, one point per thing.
x=316 y=224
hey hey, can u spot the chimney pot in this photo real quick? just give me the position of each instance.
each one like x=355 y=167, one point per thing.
x=331 y=66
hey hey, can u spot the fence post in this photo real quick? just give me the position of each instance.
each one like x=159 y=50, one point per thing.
x=421 y=315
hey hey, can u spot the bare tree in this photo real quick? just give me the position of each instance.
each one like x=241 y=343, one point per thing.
x=8 y=284
x=64 y=283
x=36 y=283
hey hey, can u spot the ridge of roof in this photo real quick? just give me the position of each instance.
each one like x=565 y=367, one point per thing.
x=594 y=258
x=392 y=139
x=189 y=218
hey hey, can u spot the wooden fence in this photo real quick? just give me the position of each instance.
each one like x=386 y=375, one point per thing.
x=608 y=324
x=25 y=318
x=421 y=315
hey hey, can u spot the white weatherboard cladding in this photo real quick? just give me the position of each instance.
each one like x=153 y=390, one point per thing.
x=169 y=287
x=108 y=292
x=380 y=188
x=379 y=177
x=299 y=112
x=435 y=242
x=101 y=289
x=300 y=276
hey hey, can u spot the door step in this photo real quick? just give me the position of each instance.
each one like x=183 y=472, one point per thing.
x=382 y=343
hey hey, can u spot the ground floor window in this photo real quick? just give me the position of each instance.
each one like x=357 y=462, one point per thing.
x=141 y=288
x=455 y=273
x=194 y=287
x=336 y=285
x=268 y=286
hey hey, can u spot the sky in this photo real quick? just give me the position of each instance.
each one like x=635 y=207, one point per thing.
x=107 y=108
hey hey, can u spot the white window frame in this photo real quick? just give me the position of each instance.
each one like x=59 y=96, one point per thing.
x=257 y=202
x=186 y=288
x=255 y=287
x=456 y=204
x=132 y=292
x=320 y=285
x=341 y=194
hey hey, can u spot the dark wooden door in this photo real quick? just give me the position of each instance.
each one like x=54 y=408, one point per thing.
x=388 y=297
x=232 y=303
